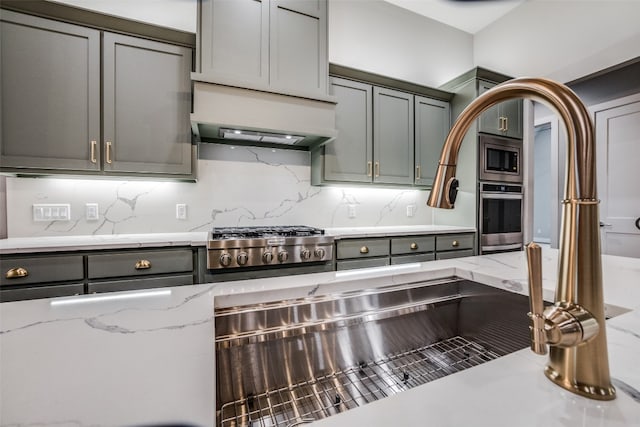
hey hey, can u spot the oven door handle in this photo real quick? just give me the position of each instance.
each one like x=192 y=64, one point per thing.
x=502 y=247
x=506 y=196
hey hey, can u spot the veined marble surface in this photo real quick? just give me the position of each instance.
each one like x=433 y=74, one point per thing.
x=150 y=359
x=196 y=238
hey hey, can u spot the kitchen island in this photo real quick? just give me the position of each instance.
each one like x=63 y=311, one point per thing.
x=141 y=358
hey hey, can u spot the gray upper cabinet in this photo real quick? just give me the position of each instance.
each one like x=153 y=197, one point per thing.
x=298 y=45
x=392 y=136
x=49 y=94
x=432 y=125
x=146 y=106
x=349 y=157
x=503 y=119
x=52 y=74
x=234 y=40
x=275 y=45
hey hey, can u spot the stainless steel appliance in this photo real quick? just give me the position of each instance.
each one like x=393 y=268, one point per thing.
x=500 y=217
x=500 y=159
x=235 y=253
x=284 y=363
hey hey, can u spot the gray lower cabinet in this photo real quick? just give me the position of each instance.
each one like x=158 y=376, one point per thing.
x=146 y=106
x=40 y=276
x=51 y=76
x=382 y=251
x=132 y=270
x=432 y=123
x=455 y=245
x=503 y=119
x=49 y=96
x=278 y=45
x=362 y=253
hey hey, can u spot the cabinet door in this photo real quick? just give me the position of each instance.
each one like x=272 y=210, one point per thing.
x=512 y=112
x=298 y=46
x=392 y=136
x=147 y=102
x=234 y=40
x=432 y=125
x=49 y=94
x=348 y=157
x=490 y=121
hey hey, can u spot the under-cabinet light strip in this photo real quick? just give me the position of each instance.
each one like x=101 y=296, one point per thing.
x=85 y=299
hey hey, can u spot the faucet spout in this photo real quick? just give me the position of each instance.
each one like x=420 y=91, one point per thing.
x=581 y=367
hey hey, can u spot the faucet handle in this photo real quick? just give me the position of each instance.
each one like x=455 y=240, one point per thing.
x=536 y=304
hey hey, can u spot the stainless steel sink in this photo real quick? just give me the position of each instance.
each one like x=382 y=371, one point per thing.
x=290 y=362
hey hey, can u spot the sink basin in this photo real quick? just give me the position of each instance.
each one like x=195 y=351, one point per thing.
x=290 y=362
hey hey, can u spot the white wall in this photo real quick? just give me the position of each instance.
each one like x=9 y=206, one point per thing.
x=560 y=39
x=379 y=37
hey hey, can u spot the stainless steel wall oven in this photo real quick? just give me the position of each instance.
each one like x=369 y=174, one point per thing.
x=500 y=217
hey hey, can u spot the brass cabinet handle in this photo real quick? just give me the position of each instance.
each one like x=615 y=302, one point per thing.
x=369 y=168
x=417 y=171
x=364 y=250
x=377 y=169
x=94 y=144
x=455 y=243
x=413 y=246
x=143 y=264
x=506 y=124
x=16 y=273
x=109 y=152
x=501 y=127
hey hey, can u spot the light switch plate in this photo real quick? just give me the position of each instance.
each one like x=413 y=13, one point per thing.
x=51 y=212
x=91 y=211
x=181 y=211
x=352 y=211
x=411 y=210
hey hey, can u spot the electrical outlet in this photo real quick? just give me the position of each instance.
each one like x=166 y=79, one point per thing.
x=181 y=211
x=352 y=211
x=91 y=212
x=52 y=212
x=411 y=210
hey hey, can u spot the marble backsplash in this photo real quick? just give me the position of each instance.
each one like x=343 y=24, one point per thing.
x=236 y=185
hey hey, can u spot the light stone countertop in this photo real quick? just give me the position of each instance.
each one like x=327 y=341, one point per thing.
x=148 y=357
x=16 y=245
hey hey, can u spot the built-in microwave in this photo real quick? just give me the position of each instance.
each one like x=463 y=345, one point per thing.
x=500 y=159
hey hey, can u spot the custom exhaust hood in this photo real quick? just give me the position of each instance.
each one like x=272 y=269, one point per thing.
x=225 y=113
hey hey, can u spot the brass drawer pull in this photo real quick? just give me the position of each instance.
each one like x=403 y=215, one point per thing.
x=418 y=172
x=455 y=243
x=109 y=161
x=16 y=273
x=143 y=264
x=93 y=151
x=377 y=169
x=369 y=168
x=413 y=246
x=364 y=250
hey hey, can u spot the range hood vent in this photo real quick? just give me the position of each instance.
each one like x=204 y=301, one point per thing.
x=229 y=114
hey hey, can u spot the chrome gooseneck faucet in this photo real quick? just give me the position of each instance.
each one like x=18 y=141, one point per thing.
x=574 y=327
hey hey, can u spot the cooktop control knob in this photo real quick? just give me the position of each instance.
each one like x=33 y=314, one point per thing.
x=267 y=257
x=305 y=254
x=283 y=256
x=225 y=259
x=242 y=258
x=319 y=253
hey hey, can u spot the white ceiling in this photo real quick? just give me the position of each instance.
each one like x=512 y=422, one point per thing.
x=469 y=16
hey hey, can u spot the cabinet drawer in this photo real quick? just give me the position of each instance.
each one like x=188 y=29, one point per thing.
x=139 y=263
x=454 y=254
x=35 y=292
x=415 y=244
x=142 y=283
x=362 y=248
x=452 y=242
x=405 y=259
x=40 y=269
x=362 y=263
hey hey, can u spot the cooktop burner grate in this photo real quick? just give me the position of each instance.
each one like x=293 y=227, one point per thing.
x=226 y=233
x=355 y=386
